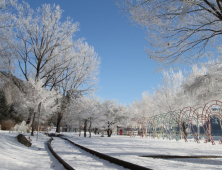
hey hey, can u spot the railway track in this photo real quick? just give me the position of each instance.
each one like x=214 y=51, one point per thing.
x=113 y=160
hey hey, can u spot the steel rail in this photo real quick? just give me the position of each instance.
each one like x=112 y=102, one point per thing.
x=66 y=165
x=109 y=158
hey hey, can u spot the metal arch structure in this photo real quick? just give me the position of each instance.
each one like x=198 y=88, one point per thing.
x=164 y=125
x=190 y=121
x=212 y=114
x=173 y=125
x=132 y=127
x=142 y=126
x=196 y=119
x=149 y=125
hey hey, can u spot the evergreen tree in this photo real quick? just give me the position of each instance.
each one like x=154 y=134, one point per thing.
x=4 y=114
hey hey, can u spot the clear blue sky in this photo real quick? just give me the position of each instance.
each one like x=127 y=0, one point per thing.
x=125 y=70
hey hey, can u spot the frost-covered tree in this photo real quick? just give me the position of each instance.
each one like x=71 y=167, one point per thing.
x=141 y=108
x=134 y=109
x=165 y=96
x=87 y=111
x=168 y=96
x=114 y=114
x=23 y=103
x=147 y=107
x=79 y=77
x=28 y=102
x=4 y=109
x=178 y=30
x=45 y=50
x=13 y=97
x=204 y=83
x=40 y=41
x=91 y=112
x=192 y=84
x=6 y=27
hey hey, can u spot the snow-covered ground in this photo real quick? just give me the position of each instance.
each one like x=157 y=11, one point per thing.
x=14 y=155
x=130 y=149
x=80 y=159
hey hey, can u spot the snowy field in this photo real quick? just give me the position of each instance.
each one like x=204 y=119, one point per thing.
x=17 y=156
x=130 y=149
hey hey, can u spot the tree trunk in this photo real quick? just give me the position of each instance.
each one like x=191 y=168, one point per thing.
x=30 y=120
x=90 y=124
x=79 y=129
x=85 y=127
x=184 y=130
x=58 y=122
x=95 y=130
x=33 y=124
x=109 y=131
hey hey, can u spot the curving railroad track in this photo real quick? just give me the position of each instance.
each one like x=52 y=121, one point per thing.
x=94 y=153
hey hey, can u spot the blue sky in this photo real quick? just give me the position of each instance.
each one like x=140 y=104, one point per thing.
x=125 y=70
